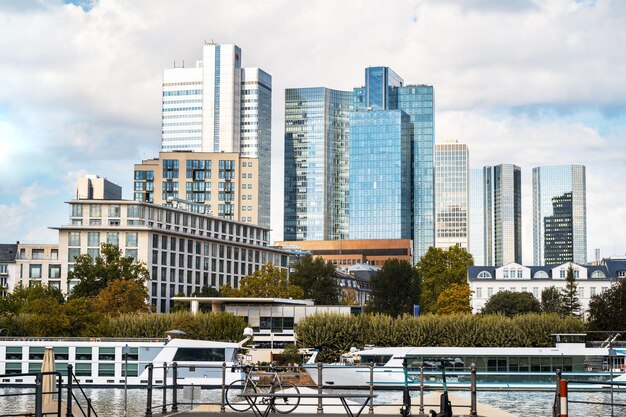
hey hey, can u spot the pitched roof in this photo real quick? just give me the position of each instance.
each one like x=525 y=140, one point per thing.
x=8 y=252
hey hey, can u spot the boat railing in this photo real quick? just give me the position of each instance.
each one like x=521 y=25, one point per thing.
x=564 y=387
x=81 y=339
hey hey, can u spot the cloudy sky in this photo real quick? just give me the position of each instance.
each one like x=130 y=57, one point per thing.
x=530 y=82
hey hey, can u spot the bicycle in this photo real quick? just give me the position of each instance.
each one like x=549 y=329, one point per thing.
x=255 y=382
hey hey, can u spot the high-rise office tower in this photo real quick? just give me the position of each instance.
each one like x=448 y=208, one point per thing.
x=503 y=214
x=477 y=215
x=559 y=215
x=385 y=91
x=451 y=195
x=316 y=163
x=218 y=106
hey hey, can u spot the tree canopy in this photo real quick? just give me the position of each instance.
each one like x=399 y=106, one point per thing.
x=269 y=281
x=607 y=310
x=511 y=303
x=439 y=269
x=317 y=279
x=570 y=304
x=395 y=289
x=123 y=296
x=551 y=300
x=95 y=274
x=454 y=300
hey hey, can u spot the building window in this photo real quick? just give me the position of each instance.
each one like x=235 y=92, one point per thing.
x=77 y=210
x=73 y=239
x=73 y=253
x=621 y=274
x=541 y=274
x=131 y=239
x=505 y=273
x=114 y=211
x=93 y=252
x=95 y=210
x=479 y=292
x=131 y=253
x=54 y=254
x=563 y=273
x=598 y=274
x=35 y=271
x=37 y=254
x=592 y=291
x=54 y=271
x=93 y=239
x=113 y=238
x=576 y=273
x=484 y=274
x=489 y=292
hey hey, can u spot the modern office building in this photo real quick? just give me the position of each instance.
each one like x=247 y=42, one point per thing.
x=316 y=164
x=485 y=281
x=503 y=214
x=381 y=102
x=559 y=215
x=92 y=187
x=477 y=215
x=218 y=106
x=451 y=164
x=225 y=185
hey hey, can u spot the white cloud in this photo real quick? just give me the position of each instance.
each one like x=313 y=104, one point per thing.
x=80 y=91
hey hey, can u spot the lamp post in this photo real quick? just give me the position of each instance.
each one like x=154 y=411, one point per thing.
x=125 y=352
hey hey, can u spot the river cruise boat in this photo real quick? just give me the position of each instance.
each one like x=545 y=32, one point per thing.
x=101 y=362
x=497 y=367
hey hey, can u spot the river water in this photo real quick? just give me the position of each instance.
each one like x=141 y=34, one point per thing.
x=111 y=402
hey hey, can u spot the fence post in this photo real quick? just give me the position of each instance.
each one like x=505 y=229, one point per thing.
x=70 y=394
x=371 y=408
x=59 y=392
x=38 y=395
x=320 y=383
x=563 y=397
x=473 y=403
x=175 y=385
x=223 y=400
x=421 y=389
x=88 y=407
x=164 y=408
x=149 y=393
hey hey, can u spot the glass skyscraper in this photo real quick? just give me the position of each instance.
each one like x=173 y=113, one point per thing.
x=380 y=175
x=559 y=215
x=451 y=195
x=316 y=163
x=503 y=214
x=477 y=215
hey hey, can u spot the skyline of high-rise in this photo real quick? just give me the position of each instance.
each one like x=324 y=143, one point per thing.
x=559 y=214
x=451 y=167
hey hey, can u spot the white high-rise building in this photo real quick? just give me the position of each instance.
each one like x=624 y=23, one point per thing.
x=451 y=195
x=218 y=106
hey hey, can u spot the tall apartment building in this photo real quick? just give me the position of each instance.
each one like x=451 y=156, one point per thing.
x=477 y=215
x=225 y=185
x=451 y=165
x=316 y=163
x=502 y=214
x=559 y=215
x=218 y=106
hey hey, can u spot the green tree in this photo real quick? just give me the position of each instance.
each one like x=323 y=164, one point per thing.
x=317 y=279
x=454 y=300
x=395 y=289
x=551 y=300
x=84 y=319
x=511 y=303
x=607 y=310
x=269 y=281
x=570 y=305
x=439 y=269
x=123 y=296
x=206 y=291
x=95 y=274
x=28 y=299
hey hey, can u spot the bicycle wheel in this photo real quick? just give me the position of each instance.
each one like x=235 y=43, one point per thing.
x=234 y=401
x=286 y=404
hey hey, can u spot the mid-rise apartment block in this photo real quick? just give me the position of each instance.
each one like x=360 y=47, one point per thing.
x=225 y=185
x=451 y=164
x=559 y=214
x=8 y=253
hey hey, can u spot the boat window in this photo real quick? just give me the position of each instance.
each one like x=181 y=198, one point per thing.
x=35 y=353
x=106 y=369
x=83 y=369
x=61 y=353
x=133 y=354
x=14 y=368
x=535 y=364
x=107 y=354
x=83 y=353
x=200 y=355
x=375 y=359
x=523 y=364
x=14 y=352
x=34 y=367
x=132 y=369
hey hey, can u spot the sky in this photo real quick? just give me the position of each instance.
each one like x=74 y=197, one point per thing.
x=520 y=81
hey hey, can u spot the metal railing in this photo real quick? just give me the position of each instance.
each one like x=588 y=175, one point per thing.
x=562 y=401
x=72 y=387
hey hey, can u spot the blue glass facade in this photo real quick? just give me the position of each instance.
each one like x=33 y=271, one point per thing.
x=316 y=164
x=380 y=175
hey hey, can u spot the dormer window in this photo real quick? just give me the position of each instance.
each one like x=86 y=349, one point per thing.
x=484 y=275
x=621 y=274
x=598 y=274
x=505 y=273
